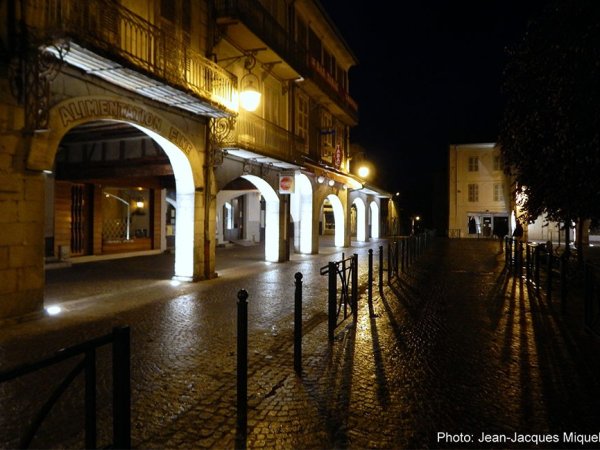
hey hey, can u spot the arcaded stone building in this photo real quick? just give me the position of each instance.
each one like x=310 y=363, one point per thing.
x=122 y=134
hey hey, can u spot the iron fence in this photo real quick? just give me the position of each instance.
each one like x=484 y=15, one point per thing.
x=341 y=302
x=120 y=341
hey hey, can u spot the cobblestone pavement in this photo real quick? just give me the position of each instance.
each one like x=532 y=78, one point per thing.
x=453 y=351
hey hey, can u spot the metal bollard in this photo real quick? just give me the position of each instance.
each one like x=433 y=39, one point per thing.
x=354 y=287
x=549 y=276
x=242 y=367
x=298 y=324
x=370 y=276
x=389 y=263
x=564 y=267
x=397 y=261
x=537 y=267
x=381 y=269
x=331 y=300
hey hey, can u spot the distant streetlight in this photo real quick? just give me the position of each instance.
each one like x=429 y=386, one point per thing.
x=363 y=171
x=414 y=219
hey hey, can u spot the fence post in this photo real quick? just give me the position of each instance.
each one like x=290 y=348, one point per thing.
x=90 y=398
x=332 y=299
x=370 y=276
x=298 y=324
x=242 y=368
x=121 y=388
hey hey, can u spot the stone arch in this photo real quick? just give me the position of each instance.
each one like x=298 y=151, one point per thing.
x=338 y=216
x=301 y=208
x=183 y=155
x=361 y=219
x=271 y=216
x=374 y=207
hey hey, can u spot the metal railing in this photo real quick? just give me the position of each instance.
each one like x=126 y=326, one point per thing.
x=403 y=251
x=111 y=30
x=120 y=340
x=260 y=21
x=338 y=300
x=252 y=132
x=533 y=261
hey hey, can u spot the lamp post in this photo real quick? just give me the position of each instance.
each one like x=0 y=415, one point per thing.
x=413 y=220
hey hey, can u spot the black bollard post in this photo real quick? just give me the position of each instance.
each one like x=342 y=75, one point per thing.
x=549 y=276
x=381 y=269
x=389 y=263
x=370 y=276
x=397 y=259
x=331 y=300
x=355 y=284
x=564 y=267
x=536 y=266
x=242 y=368
x=298 y=324
x=528 y=262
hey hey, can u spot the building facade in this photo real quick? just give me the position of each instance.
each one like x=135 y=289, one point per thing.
x=482 y=200
x=123 y=134
x=479 y=200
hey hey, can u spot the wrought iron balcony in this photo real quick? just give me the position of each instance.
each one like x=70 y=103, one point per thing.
x=264 y=26
x=110 y=41
x=256 y=138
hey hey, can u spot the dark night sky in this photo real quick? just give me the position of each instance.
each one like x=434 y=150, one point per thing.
x=429 y=75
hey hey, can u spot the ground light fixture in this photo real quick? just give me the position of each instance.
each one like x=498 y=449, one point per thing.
x=249 y=93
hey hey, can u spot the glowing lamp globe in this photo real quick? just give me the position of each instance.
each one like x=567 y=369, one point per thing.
x=363 y=172
x=249 y=95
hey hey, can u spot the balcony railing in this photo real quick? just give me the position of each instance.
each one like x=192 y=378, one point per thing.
x=115 y=33
x=260 y=21
x=254 y=133
x=263 y=25
x=330 y=85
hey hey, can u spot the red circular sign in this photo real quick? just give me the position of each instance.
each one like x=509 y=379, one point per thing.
x=285 y=183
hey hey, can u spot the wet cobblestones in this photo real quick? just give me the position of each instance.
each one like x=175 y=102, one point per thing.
x=456 y=346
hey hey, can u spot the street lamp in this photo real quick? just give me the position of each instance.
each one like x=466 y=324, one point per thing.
x=363 y=171
x=414 y=219
x=249 y=93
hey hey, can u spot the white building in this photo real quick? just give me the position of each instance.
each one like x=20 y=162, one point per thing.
x=480 y=197
x=479 y=204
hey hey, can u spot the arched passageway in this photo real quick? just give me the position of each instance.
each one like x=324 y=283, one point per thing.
x=332 y=219
x=374 y=219
x=361 y=219
x=108 y=194
x=301 y=209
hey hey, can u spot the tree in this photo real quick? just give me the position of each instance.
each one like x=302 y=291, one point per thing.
x=550 y=131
